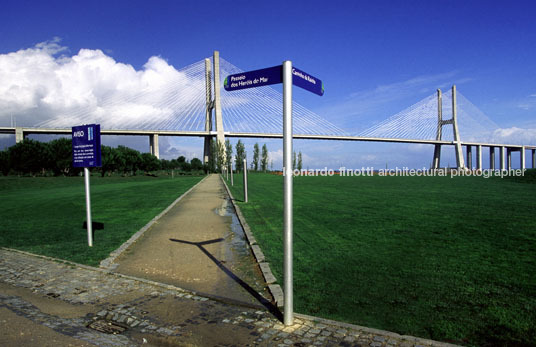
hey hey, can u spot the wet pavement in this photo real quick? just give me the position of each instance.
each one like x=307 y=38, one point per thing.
x=198 y=245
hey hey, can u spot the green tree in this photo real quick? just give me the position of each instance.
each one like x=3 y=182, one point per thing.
x=196 y=164
x=240 y=155
x=4 y=162
x=29 y=157
x=149 y=162
x=300 y=162
x=165 y=164
x=264 y=160
x=228 y=152
x=255 y=163
x=173 y=164
x=220 y=156
x=212 y=159
x=130 y=160
x=60 y=158
x=293 y=160
x=109 y=160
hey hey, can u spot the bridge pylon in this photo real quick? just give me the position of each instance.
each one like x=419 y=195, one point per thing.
x=456 y=135
x=213 y=104
x=208 y=110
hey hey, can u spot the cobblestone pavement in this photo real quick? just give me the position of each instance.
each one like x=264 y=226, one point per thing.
x=140 y=312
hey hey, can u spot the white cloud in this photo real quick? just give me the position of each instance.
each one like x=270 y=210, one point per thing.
x=514 y=135
x=38 y=86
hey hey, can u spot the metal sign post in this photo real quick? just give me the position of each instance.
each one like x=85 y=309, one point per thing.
x=231 y=169
x=86 y=148
x=88 y=209
x=287 y=208
x=245 y=180
x=288 y=75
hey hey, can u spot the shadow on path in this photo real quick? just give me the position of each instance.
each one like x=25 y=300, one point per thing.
x=269 y=306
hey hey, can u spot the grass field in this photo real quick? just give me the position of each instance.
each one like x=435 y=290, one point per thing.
x=447 y=259
x=44 y=215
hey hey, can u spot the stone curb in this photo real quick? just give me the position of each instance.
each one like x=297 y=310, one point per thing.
x=274 y=288
x=108 y=263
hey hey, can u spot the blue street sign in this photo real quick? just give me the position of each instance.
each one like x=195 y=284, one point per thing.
x=255 y=78
x=86 y=145
x=272 y=75
x=307 y=82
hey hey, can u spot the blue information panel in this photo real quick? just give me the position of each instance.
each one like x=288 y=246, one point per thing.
x=86 y=146
x=255 y=78
x=307 y=82
x=272 y=75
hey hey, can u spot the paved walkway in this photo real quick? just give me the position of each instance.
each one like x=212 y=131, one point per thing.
x=49 y=302
x=198 y=246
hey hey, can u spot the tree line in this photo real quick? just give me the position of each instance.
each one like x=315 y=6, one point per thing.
x=30 y=157
x=222 y=157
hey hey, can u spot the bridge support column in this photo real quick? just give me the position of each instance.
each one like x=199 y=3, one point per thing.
x=492 y=158
x=458 y=143
x=437 y=157
x=469 y=156
x=437 y=148
x=479 y=157
x=508 y=158
x=534 y=158
x=153 y=145
x=208 y=110
x=19 y=135
x=522 y=158
x=501 y=157
x=220 y=137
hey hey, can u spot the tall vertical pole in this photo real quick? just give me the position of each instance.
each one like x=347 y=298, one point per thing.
x=479 y=157
x=220 y=137
x=245 y=180
x=208 y=109
x=534 y=158
x=501 y=157
x=287 y=176
x=231 y=169
x=88 y=209
x=153 y=145
x=492 y=157
x=469 y=155
x=459 y=153
x=522 y=158
x=437 y=148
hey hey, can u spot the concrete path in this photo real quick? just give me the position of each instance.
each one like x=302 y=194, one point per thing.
x=198 y=245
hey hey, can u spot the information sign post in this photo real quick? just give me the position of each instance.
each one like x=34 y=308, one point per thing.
x=288 y=291
x=289 y=76
x=87 y=153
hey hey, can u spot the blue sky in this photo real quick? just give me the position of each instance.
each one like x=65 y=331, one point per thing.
x=375 y=57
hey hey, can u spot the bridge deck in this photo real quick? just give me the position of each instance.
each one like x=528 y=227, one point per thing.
x=132 y=132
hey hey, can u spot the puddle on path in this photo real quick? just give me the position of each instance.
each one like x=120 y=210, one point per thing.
x=240 y=260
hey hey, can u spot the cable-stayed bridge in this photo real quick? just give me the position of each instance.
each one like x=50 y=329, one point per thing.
x=190 y=102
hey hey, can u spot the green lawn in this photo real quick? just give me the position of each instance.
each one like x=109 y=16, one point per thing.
x=447 y=259
x=44 y=215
